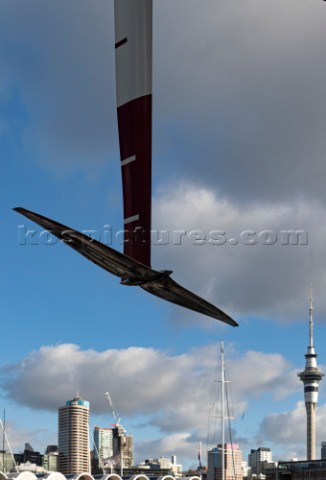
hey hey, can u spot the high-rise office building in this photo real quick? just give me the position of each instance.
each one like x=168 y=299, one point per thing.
x=103 y=446
x=74 y=452
x=311 y=377
x=257 y=459
x=123 y=445
x=232 y=462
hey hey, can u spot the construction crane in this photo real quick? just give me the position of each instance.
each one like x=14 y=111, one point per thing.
x=115 y=414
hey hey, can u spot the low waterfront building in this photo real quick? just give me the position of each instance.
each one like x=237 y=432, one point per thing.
x=323 y=450
x=30 y=467
x=164 y=464
x=297 y=470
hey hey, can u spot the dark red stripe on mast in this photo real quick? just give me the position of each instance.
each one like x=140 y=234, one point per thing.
x=135 y=117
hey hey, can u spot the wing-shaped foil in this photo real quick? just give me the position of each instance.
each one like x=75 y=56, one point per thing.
x=129 y=270
x=100 y=254
x=133 y=46
x=171 y=291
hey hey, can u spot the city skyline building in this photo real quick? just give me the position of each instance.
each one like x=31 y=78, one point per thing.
x=257 y=459
x=7 y=461
x=232 y=462
x=162 y=463
x=311 y=376
x=323 y=451
x=73 y=436
x=103 y=446
x=123 y=445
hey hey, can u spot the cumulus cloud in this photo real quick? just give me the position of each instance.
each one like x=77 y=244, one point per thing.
x=172 y=391
x=169 y=402
x=258 y=365
x=285 y=427
x=242 y=260
x=287 y=431
x=248 y=115
x=175 y=398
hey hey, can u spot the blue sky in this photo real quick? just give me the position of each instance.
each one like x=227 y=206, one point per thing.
x=238 y=144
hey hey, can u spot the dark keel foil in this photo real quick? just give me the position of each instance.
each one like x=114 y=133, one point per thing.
x=129 y=270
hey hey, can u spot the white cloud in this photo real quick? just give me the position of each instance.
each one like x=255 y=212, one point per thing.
x=287 y=431
x=285 y=428
x=243 y=85
x=165 y=399
x=259 y=279
x=158 y=380
x=169 y=392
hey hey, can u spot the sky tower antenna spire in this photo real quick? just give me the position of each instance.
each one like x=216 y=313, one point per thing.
x=311 y=324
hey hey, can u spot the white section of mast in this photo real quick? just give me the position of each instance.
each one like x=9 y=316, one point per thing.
x=133 y=38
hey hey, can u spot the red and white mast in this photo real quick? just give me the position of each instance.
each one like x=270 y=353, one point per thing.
x=133 y=47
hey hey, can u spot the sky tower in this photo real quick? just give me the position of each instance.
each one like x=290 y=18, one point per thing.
x=311 y=377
